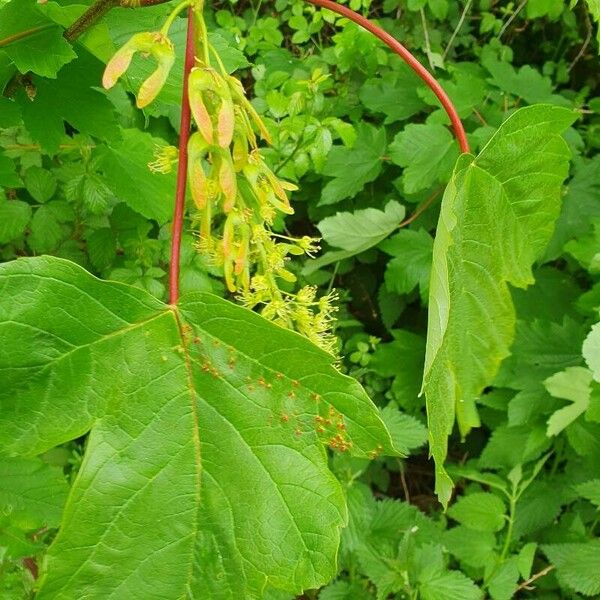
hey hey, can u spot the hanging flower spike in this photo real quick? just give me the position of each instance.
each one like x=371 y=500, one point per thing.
x=152 y=43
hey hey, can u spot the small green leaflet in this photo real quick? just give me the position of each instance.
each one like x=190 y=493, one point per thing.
x=481 y=511
x=590 y=490
x=591 y=351
x=14 y=216
x=577 y=565
x=572 y=384
x=363 y=229
x=356 y=232
x=205 y=457
x=497 y=215
x=411 y=265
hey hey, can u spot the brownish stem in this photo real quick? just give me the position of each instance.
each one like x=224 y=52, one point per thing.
x=97 y=10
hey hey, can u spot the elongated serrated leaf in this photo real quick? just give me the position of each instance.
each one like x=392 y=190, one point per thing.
x=205 y=473
x=497 y=215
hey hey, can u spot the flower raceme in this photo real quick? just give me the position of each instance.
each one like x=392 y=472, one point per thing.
x=236 y=195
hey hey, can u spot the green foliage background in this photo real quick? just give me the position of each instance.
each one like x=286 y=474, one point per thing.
x=369 y=146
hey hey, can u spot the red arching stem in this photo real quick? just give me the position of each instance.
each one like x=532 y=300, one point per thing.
x=409 y=59
x=184 y=135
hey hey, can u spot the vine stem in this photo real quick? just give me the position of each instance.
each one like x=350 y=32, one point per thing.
x=409 y=59
x=184 y=135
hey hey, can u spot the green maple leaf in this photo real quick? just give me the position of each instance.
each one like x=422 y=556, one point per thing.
x=354 y=167
x=205 y=473
x=497 y=215
x=43 y=50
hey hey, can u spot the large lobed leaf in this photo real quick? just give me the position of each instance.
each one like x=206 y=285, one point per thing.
x=205 y=473
x=497 y=215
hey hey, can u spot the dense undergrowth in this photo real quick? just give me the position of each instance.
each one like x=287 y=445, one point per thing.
x=357 y=131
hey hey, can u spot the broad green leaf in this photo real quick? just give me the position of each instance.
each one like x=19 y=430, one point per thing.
x=395 y=95
x=482 y=511
x=14 y=216
x=591 y=351
x=358 y=231
x=572 y=384
x=526 y=83
x=72 y=97
x=577 y=565
x=43 y=52
x=32 y=493
x=427 y=152
x=412 y=263
x=125 y=166
x=497 y=216
x=353 y=167
x=205 y=461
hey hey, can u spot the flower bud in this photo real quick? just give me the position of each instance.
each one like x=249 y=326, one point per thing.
x=227 y=181
x=200 y=80
x=197 y=150
x=156 y=45
x=238 y=94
